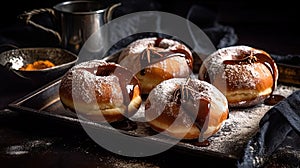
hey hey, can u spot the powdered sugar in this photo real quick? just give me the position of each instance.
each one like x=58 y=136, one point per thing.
x=162 y=100
x=214 y=65
x=130 y=56
x=236 y=68
x=85 y=86
x=241 y=76
x=163 y=93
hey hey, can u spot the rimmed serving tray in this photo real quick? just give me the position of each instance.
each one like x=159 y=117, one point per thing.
x=227 y=143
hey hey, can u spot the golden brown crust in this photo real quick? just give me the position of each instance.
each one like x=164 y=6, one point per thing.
x=178 y=117
x=95 y=91
x=159 y=65
x=245 y=75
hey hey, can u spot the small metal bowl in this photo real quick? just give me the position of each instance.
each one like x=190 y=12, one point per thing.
x=12 y=60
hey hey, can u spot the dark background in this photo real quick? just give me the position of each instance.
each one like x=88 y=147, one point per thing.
x=272 y=26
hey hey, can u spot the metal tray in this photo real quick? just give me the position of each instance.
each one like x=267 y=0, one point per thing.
x=227 y=143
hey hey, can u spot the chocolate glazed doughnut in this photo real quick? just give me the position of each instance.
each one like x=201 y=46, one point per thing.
x=154 y=60
x=99 y=90
x=186 y=109
x=246 y=76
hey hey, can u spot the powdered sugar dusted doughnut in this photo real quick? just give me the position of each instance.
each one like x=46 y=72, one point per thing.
x=156 y=59
x=245 y=75
x=186 y=108
x=98 y=90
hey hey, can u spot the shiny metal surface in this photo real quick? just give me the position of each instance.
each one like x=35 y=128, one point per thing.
x=228 y=143
x=78 y=20
x=12 y=60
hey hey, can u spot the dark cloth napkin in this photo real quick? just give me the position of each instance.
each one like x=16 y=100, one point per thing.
x=277 y=143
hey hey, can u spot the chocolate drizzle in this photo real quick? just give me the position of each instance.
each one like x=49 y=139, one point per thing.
x=244 y=58
x=127 y=80
x=184 y=95
x=202 y=143
x=273 y=99
x=251 y=58
x=157 y=41
x=154 y=54
x=205 y=75
x=126 y=125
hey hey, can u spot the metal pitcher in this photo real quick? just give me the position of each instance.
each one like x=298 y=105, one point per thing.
x=77 y=20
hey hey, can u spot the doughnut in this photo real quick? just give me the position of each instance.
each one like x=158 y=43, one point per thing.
x=186 y=108
x=98 y=90
x=245 y=75
x=155 y=59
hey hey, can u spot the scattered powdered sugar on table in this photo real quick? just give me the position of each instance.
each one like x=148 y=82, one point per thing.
x=241 y=125
x=235 y=132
